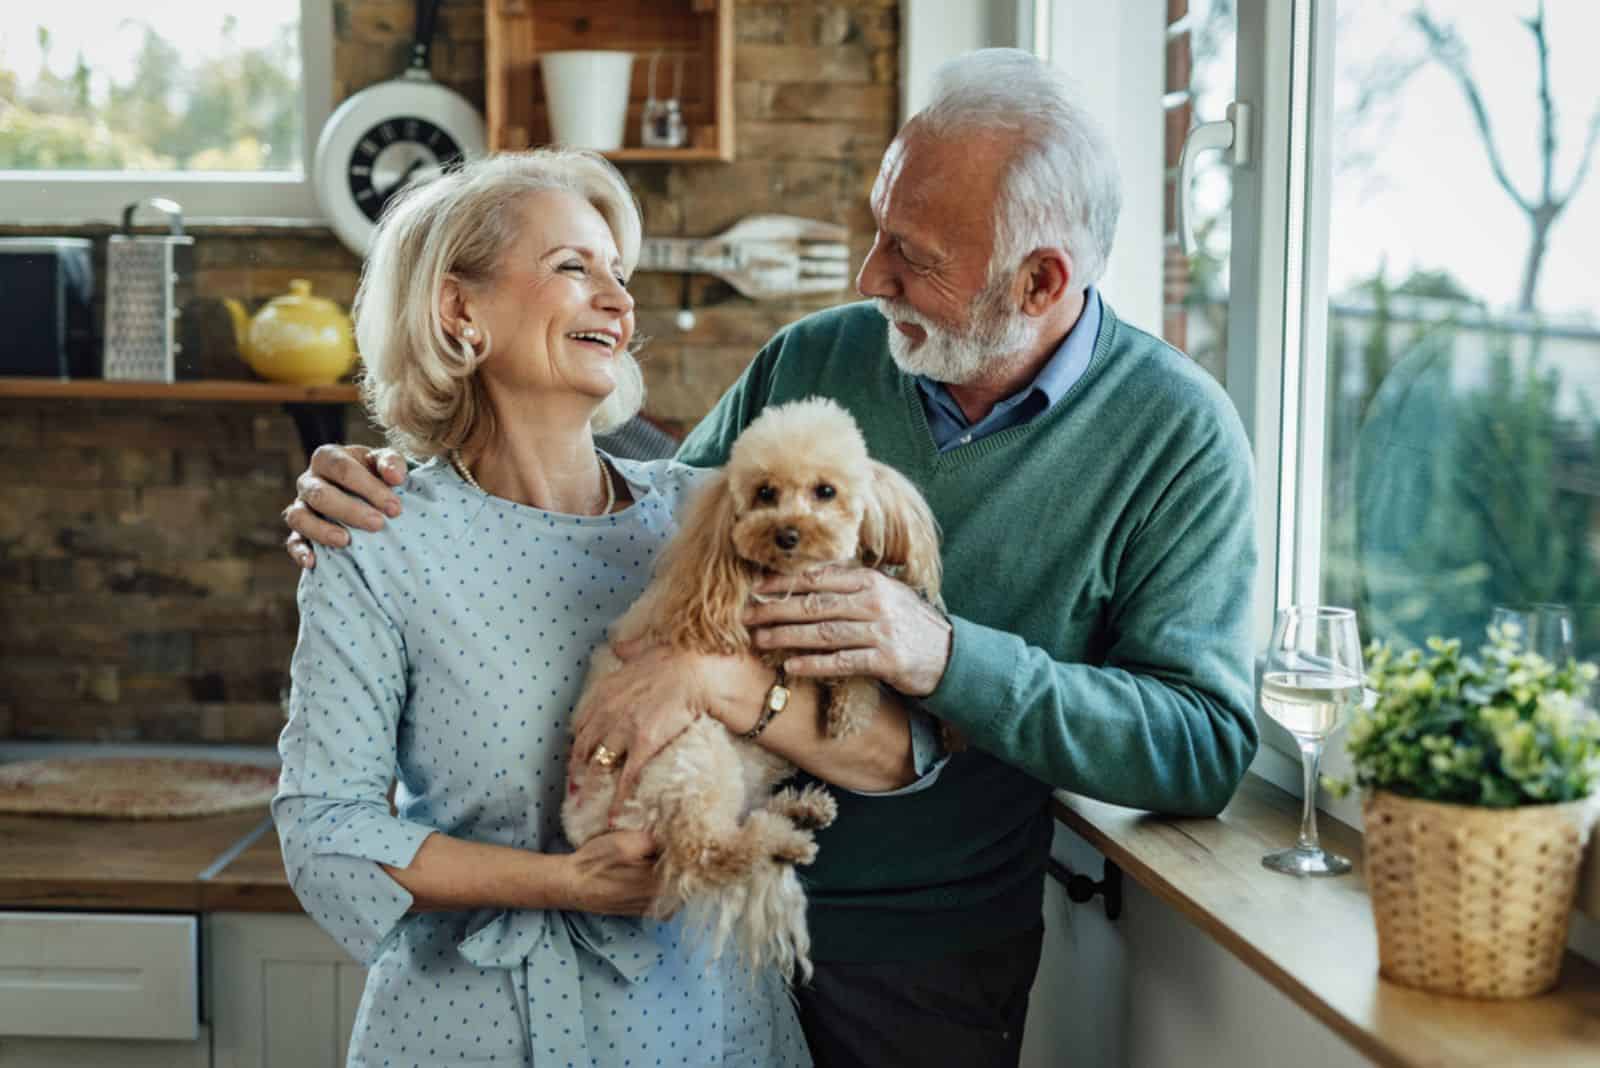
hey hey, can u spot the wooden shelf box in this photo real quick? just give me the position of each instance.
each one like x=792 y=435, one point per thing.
x=700 y=31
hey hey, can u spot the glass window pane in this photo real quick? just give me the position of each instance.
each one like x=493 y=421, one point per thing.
x=1463 y=392
x=1200 y=85
x=103 y=85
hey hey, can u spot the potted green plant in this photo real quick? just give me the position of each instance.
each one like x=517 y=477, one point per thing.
x=1479 y=773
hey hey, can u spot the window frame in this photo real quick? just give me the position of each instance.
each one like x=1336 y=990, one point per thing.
x=1278 y=320
x=76 y=197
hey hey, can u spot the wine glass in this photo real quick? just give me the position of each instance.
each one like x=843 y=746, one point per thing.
x=1546 y=629
x=1313 y=680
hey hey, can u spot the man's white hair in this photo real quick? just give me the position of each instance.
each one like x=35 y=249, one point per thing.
x=1062 y=188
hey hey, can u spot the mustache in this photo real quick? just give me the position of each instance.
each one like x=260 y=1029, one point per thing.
x=896 y=312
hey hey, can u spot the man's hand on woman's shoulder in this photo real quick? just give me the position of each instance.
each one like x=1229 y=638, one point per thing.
x=344 y=486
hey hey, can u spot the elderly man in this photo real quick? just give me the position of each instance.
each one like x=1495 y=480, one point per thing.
x=1094 y=491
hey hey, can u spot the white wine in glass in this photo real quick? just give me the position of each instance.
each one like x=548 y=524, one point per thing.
x=1312 y=682
x=1309 y=704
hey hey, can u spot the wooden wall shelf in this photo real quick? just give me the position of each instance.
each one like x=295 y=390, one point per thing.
x=210 y=390
x=701 y=31
x=665 y=155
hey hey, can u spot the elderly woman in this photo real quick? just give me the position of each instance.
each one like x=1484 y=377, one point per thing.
x=444 y=653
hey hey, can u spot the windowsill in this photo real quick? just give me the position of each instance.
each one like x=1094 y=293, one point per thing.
x=1315 y=941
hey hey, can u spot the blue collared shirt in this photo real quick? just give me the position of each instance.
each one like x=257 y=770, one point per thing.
x=949 y=424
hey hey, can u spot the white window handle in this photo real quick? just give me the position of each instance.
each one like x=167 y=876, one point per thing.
x=1231 y=133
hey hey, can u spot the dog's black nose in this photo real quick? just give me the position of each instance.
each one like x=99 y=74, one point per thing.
x=787 y=538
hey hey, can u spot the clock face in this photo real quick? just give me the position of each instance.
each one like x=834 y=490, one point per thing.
x=383 y=139
x=393 y=154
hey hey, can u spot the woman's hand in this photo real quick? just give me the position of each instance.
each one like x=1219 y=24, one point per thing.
x=637 y=710
x=345 y=484
x=613 y=874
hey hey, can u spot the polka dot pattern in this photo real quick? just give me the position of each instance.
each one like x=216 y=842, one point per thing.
x=446 y=652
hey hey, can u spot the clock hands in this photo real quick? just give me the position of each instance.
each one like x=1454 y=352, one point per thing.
x=391 y=155
x=405 y=176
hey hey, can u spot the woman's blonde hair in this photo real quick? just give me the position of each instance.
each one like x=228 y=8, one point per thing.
x=420 y=385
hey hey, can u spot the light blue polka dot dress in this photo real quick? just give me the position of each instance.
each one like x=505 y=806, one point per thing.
x=447 y=651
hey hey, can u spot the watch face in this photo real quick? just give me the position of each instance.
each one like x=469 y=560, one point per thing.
x=393 y=154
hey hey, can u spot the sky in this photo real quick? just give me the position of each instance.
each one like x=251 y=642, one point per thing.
x=1428 y=198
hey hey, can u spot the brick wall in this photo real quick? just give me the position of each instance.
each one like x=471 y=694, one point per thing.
x=143 y=593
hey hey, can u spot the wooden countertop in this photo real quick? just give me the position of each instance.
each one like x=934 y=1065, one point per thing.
x=193 y=865
x=1314 y=939
x=253 y=880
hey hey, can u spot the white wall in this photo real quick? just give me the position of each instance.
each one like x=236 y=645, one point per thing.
x=1153 y=991
x=1116 y=53
x=932 y=31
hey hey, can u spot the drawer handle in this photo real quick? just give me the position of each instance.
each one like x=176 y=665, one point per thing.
x=1082 y=889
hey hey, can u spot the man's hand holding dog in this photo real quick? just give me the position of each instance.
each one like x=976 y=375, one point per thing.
x=853 y=621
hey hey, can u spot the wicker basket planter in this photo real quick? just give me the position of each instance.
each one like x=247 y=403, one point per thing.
x=1473 y=901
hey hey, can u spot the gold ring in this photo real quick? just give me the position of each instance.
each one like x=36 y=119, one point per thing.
x=605 y=757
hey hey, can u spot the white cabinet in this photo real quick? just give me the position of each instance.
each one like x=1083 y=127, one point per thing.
x=280 y=993
x=1080 y=999
x=99 y=975
x=104 y=1052
x=86 y=989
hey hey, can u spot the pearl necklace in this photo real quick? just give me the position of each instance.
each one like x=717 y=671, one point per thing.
x=605 y=475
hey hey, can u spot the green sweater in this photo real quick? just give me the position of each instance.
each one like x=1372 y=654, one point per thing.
x=1097 y=567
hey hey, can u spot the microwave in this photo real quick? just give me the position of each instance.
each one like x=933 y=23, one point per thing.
x=47 y=298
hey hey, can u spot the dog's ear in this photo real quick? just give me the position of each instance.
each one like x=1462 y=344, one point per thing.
x=706 y=584
x=899 y=531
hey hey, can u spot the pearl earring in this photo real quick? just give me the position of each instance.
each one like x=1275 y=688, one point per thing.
x=469 y=332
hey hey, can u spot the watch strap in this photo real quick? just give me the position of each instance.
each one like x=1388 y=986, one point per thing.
x=776 y=701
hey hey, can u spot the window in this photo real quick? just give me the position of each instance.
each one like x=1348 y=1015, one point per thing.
x=1199 y=83
x=1461 y=451
x=1406 y=304
x=217 y=106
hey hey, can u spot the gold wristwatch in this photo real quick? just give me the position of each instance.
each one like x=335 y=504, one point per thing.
x=777 y=700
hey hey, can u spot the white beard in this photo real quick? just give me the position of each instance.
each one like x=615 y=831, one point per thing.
x=995 y=336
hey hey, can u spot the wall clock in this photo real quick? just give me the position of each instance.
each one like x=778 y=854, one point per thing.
x=391 y=135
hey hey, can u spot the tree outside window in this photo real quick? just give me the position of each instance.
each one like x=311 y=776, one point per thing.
x=86 y=86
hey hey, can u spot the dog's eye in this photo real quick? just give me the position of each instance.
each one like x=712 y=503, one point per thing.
x=824 y=491
x=767 y=495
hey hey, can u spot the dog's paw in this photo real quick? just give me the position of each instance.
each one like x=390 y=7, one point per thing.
x=780 y=839
x=794 y=847
x=812 y=808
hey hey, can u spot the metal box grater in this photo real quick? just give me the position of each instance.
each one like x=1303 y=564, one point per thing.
x=148 y=280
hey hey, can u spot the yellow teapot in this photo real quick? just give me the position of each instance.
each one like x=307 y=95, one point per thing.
x=297 y=338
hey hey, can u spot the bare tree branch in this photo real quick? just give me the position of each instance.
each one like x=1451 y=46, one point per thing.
x=1547 y=106
x=1583 y=161
x=1451 y=54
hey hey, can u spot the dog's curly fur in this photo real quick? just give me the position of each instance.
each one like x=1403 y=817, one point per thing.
x=799 y=492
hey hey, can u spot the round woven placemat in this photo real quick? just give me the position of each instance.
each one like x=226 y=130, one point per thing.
x=133 y=788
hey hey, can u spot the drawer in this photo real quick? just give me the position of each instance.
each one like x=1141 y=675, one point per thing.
x=31 y=1052
x=99 y=975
